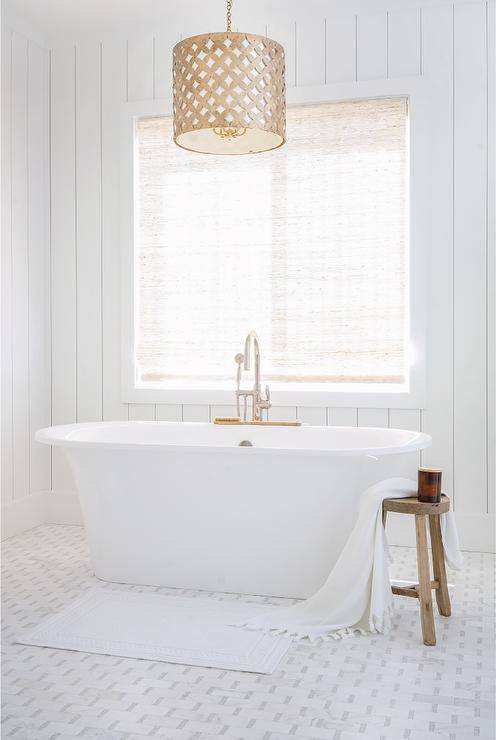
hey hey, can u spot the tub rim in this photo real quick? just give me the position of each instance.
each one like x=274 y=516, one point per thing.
x=54 y=436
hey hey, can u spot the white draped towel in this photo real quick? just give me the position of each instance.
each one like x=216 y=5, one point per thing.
x=357 y=597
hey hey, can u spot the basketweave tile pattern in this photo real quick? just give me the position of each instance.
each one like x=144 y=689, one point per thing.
x=379 y=688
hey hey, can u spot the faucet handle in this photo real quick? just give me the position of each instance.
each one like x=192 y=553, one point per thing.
x=264 y=404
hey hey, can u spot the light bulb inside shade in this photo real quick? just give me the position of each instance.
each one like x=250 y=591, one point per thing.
x=208 y=141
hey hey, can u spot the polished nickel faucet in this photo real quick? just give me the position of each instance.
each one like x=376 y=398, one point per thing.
x=258 y=402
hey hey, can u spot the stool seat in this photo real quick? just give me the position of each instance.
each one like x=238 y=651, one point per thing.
x=412 y=505
x=422 y=590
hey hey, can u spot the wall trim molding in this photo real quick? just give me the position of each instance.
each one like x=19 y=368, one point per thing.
x=44 y=507
x=476 y=531
x=23 y=514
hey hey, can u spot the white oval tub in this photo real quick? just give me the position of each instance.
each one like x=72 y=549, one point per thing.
x=183 y=505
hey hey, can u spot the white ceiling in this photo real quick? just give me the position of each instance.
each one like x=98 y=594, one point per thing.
x=52 y=16
x=87 y=16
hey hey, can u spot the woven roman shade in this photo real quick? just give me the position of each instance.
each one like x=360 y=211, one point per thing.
x=308 y=245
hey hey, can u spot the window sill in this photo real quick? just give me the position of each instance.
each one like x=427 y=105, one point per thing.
x=364 y=396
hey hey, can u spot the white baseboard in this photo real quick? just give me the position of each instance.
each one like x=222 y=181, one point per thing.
x=45 y=507
x=23 y=514
x=476 y=531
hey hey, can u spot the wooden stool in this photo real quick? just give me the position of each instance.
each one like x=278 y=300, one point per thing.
x=422 y=590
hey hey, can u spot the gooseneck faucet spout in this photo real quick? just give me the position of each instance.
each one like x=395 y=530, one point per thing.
x=252 y=338
x=258 y=402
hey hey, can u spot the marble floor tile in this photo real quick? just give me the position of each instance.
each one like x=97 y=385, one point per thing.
x=382 y=687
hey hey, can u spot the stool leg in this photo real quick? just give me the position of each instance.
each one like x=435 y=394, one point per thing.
x=424 y=587
x=439 y=568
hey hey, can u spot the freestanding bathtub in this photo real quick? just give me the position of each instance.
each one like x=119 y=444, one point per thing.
x=182 y=504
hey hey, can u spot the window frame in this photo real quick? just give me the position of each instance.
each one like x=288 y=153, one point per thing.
x=416 y=90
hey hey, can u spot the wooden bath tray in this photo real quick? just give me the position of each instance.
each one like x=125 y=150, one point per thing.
x=234 y=421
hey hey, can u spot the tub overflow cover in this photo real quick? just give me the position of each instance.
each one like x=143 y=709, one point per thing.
x=245 y=443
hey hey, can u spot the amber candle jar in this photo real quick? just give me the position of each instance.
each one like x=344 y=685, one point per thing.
x=429 y=485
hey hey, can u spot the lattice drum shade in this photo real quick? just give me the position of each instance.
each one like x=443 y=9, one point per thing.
x=229 y=93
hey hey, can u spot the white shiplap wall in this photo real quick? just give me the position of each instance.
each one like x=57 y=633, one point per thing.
x=90 y=78
x=25 y=261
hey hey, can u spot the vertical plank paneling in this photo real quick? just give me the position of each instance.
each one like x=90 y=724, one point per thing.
x=404 y=42
x=194 y=25
x=141 y=412
x=491 y=258
x=39 y=265
x=140 y=67
x=282 y=413
x=196 y=412
x=169 y=412
x=387 y=46
x=438 y=414
x=470 y=166
x=310 y=51
x=311 y=415
x=283 y=30
x=6 y=272
x=20 y=268
x=373 y=418
x=112 y=72
x=404 y=419
x=342 y=417
x=164 y=43
x=341 y=50
x=88 y=233
x=405 y=466
x=222 y=410
x=245 y=20
x=372 y=45
x=63 y=251
x=122 y=84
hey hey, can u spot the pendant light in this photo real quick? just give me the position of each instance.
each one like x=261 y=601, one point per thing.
x=229 y=92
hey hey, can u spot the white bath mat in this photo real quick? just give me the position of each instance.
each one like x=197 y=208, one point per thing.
x=173 y=629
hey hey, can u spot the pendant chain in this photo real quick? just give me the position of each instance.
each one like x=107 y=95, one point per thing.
x=229 y=8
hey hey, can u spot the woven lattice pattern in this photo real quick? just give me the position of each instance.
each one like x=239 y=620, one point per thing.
x=229 y=80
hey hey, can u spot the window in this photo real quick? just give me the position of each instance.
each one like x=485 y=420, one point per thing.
x=307 y=245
